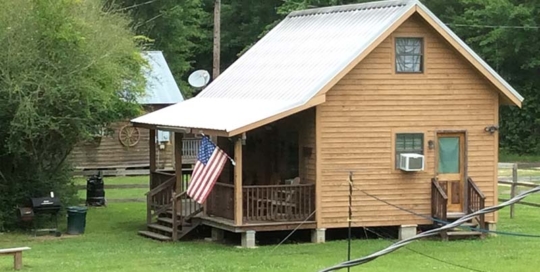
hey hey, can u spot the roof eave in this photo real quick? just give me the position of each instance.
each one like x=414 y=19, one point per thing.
x=317 y=100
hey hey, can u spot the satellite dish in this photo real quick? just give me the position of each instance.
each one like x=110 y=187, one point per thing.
x=199 y=78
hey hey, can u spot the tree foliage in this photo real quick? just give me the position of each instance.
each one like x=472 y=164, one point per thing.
x=509 y=44
x=64 y=69
x=179 y=28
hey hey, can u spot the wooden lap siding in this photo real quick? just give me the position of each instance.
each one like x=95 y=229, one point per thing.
x=307 y=141
x=371 y=103
x=111 y=153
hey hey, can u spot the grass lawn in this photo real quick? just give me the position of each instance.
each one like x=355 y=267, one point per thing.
x=508 y=157
x=119 y=193
x=111 y=244
x=117 y=180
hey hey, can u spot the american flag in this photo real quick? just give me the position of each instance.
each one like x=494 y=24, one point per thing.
x=210 y=163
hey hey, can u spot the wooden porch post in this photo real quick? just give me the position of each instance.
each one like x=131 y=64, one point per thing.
x=152 y=150
x=238 y=182
x=179 y=188
x=178 y=144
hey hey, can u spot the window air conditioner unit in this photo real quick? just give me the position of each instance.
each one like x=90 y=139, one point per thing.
x=411 y=162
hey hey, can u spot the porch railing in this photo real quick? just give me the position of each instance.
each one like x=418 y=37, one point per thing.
x=190 y=148
x=278 y=202
x=220 y=202
x=475 y=201
x=159 y=198
x=439 y=201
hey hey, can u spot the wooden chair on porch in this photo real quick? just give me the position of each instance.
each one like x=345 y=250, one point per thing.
x=279 y=204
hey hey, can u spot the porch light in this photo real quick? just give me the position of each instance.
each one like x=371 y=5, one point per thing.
x=491 y=129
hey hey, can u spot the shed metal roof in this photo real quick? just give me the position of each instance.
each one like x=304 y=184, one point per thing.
x=161 y=88
x=291 y=65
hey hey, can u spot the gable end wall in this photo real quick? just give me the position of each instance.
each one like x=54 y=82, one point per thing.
x=370 y=104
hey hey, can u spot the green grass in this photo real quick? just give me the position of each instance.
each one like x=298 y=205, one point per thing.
x=111 y=244
x=117 y=180
x=508 y=157
x=523 y=174
x=119 y=193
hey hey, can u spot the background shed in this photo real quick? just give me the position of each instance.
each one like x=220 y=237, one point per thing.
x=127 y=146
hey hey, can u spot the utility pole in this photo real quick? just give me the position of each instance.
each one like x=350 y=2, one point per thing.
x=217 y=38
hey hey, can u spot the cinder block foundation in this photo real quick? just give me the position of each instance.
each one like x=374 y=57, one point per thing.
x=248 y=239
x=318 y=236
x=217 y=235
x=491 y=226
x=407 y=231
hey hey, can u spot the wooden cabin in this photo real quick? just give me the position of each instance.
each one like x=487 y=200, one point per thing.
x=380 y=94
x=125 y=147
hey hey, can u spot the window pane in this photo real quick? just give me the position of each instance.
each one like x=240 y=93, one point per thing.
x=449 y=155
x=408 y=143
x=409 y=55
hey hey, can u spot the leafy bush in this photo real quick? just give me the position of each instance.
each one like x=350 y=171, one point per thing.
x=64 y=66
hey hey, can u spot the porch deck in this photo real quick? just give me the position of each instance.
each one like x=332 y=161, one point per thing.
x=229 y=224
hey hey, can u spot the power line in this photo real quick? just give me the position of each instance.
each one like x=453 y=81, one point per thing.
x=428 y=233
x=293 y=231
x=494 y=26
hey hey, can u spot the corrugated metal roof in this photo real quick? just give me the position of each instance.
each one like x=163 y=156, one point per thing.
x=304 y=52
x=161 y=88
x=217 y=113
x=288 y=66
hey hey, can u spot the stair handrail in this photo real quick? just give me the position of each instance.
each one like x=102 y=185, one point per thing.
x=150 y=211
x=174 y=216
x=476 y=200
x=439 y=202
x=161 y=187
x=177 y=206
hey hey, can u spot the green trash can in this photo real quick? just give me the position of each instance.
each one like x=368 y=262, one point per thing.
x=76 y=220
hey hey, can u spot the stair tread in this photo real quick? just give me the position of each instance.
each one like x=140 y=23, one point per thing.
x=154 y=235
x=471 y=225
x=160 y=227
x=169 y=220
x=165 y=219
x=454 y=215
x=464 y=233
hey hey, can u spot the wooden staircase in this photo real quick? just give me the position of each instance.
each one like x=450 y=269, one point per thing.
x=170 y=216
x=475 y=202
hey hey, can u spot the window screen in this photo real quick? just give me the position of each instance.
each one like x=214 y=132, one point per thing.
x=409 y=55
x=409 y=143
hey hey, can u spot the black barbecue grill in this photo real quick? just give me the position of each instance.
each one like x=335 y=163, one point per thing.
x=42 y=207
x=46 y=205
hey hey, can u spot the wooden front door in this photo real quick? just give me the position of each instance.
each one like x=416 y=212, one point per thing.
x=451 y=168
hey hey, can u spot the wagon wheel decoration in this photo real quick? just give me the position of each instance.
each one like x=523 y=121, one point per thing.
x=129 y=136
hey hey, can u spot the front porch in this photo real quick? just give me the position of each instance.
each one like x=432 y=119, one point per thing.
x=271 y=187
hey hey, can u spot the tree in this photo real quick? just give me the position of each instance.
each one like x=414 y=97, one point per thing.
x=505 y=33
x=65 y=66
x=179 y=28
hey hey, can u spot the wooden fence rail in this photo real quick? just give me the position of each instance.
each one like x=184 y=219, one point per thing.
x=513 y=186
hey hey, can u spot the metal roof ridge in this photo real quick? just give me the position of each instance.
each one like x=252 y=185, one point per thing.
x=350 y=7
